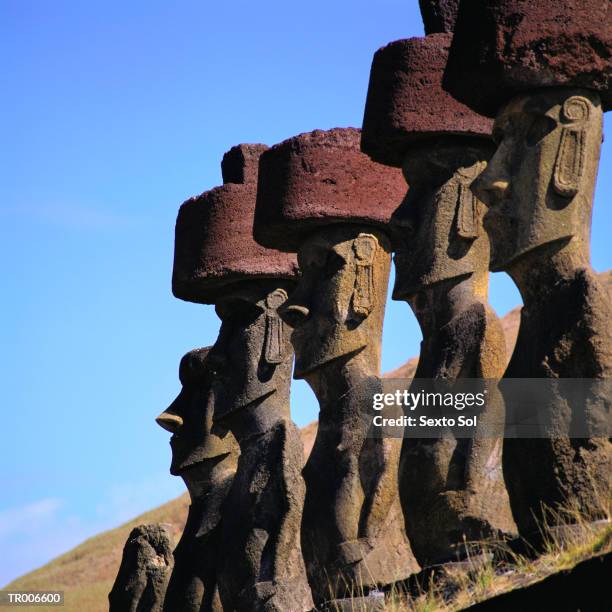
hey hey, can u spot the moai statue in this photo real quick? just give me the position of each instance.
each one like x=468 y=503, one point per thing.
x=218 y=262
x=452 y=488
x=543 y=70
x=144 y=571
x=207 y=464
x=320 y=197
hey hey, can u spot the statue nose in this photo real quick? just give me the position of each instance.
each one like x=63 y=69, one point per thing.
x=490 y=191
x=294 y=314
x=169 y=421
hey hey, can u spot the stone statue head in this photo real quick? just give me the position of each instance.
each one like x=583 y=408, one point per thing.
x=437 y=231
x=539 y=184
x=190 y=417
x=252 y=350
x=338 y=305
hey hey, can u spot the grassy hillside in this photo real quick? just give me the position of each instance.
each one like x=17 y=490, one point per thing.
x=86 y=572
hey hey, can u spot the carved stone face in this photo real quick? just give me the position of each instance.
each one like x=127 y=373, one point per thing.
x=539 y=183
x=252 y=344
x=190 y=418
x=342 y=269
x=437 y=231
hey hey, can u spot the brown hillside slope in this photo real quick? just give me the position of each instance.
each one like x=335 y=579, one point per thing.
x=86 y=573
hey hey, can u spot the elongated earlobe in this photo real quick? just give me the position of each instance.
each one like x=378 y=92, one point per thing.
x=468 y=205
x=364 y=247
x=274 y=343
x=467 y=213
x=569 y=164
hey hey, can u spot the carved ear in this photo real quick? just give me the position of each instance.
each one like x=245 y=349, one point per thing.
x=467 y=213
x=364 y=247
x=274 y=342
x=569 y=164
x=468 y=205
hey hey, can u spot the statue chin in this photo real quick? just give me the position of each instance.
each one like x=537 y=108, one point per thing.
x=406 y=282
x=504 y=260
x=306 y=367
x=405 y=288
x=237 y=405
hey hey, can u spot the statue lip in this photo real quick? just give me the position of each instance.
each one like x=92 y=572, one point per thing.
x=496 y=211
x=186 y=466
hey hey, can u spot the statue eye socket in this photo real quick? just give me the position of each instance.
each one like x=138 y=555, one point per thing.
x=238 y=311
x=333 y=264
x=405 y=225
x=314 y=258
x=541 y=126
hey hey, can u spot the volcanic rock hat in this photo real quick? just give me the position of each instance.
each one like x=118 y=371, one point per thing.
x=319 y=178
x=439 y=15
x=214 y=243
x=406 y=102
x=505 y=47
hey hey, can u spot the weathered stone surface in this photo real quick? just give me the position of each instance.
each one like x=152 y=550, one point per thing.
x=352 y=535
x=213 y=240
x=539 y=187
x=319 y=194
x=240 y=164
x=439 y=15
x=452 y=489
x=207 y=464
x=502 y=48
x=144 y=571
x=585 y=587
x=406 y=102
x=437 y=232
x=318 y=178
x=263 y=568
x=541 y=180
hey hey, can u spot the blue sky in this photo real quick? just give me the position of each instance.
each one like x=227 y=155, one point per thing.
x=113 y=113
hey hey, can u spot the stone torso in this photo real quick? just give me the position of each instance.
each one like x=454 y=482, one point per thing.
x=453 y=487
x=193 y=584
x=566 y=334
x=353 y=531
x=264 y=569
x=471 y=345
